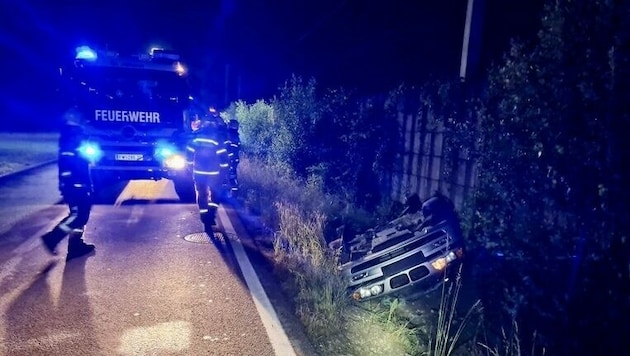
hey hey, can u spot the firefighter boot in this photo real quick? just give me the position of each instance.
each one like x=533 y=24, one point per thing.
x=52 y=238
x=209 y=220
x=77 y=247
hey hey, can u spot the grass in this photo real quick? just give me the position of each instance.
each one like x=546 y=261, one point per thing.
x=297 y=213
x=446 y=338
x=22 y=150
x=335 y=324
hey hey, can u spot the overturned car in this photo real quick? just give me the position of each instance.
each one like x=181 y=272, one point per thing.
x=410 y=253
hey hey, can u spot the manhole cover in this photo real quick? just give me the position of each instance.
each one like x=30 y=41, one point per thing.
x=203 y=238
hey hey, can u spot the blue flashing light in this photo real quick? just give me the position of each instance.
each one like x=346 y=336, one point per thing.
x=164 y=150
x=153 y=50
x=90 y=151
x=86 y=53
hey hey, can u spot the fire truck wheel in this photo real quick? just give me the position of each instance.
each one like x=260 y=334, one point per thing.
x=185 y=189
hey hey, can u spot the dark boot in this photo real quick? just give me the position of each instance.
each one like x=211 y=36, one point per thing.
x=52 y=238
x=77 y=247
x=208 y=220
x=208 y=217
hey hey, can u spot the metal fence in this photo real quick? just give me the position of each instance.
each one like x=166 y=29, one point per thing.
x=424 y=165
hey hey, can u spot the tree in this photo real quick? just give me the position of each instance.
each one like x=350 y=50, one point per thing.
x=550 y=151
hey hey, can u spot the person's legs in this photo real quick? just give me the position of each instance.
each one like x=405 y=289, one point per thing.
x=215 y=185
x=52 y=238
x=212 y=209
x=206 y=214
x=233 y=178
x=76 y=246
x=80 y=214
x=80 y=208
x=80 y=205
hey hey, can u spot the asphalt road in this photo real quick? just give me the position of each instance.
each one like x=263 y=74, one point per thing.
x=156 y=285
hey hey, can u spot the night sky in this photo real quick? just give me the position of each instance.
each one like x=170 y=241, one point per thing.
x=254 y=46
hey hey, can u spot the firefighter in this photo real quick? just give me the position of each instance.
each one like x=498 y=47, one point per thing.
x=233 y=144
x=209 y=166
x=75 y=185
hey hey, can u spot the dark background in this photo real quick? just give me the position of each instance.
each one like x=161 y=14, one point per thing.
x=245 y=49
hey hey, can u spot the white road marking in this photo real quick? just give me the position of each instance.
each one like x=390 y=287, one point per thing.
x=278 y=337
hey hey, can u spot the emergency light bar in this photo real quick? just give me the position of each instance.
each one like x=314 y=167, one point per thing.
x=160 y=53
x=158 y=59
x=86 y=53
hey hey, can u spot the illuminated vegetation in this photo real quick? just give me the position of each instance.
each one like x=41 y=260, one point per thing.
x=548 y=220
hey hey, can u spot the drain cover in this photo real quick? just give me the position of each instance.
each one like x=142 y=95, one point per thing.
x=203 y=238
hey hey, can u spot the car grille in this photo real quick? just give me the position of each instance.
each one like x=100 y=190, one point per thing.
x=403 y=264
x=399 y=251
x=404 y=279
x=399 y=281
x=418 y=273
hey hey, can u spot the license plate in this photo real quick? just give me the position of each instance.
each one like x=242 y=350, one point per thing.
x=129 y=157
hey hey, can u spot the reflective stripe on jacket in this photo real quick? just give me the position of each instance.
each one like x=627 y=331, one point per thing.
x=209 y=155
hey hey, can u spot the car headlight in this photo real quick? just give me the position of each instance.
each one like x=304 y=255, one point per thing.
x=169 y=155
x=366 y=292
x=175 y=161
x=376 y=290
x=441 y=263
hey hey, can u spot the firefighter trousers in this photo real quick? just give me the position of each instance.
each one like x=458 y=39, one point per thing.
x=80 y=206
x=207 y=188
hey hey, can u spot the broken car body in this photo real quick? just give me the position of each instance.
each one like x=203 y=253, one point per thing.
x=412 y=252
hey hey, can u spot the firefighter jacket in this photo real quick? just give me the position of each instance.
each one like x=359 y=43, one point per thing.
x=74 y=169
x=208 y=154
x=233 y=144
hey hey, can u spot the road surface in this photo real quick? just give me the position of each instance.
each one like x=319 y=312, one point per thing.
x=156 y=285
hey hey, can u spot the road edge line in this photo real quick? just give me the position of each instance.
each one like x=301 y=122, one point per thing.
x=277 y=336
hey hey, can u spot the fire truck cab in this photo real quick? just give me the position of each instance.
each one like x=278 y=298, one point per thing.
x=135 y=115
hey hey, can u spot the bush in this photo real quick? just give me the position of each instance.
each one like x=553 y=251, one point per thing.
x=549 y=193
x=344 y=143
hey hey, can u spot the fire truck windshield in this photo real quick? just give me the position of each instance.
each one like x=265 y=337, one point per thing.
x=140 y=86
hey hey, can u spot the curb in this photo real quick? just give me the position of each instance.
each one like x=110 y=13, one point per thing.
x=27 y=169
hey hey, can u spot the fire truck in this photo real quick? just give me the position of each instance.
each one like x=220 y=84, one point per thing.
x=135 y=115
